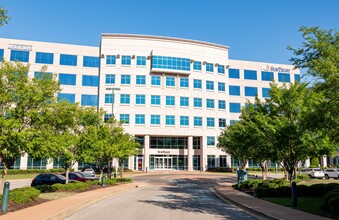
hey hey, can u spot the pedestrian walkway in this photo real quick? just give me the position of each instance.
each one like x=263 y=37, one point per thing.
x=261 y=207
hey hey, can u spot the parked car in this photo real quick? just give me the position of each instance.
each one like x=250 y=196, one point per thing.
x=313 y=172
x=48 y=179
x=75 y=176
x=331 y=173
x=90 y=171
x=88 y=176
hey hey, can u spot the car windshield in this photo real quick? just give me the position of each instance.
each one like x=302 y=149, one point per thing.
x=61 y=177
x=317 y=169
x=337 y=170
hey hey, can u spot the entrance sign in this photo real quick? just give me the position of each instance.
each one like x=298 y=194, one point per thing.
x=267 y=67
x=20 y=47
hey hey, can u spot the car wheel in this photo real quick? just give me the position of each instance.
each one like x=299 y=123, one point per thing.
x=326 y=176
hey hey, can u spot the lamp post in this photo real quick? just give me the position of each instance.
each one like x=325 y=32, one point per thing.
x=112 y=89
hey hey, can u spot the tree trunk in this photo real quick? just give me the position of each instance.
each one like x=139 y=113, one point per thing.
x=67 y=173
x=122 y=167
x=3 y=179
x=242 y=164
x=264 y=169
x=109 y=169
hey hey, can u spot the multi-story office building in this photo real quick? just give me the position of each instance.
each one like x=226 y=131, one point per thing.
x=175 y=95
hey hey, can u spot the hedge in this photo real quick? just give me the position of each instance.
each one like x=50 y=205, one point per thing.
x=23 y=195
x=37 y=171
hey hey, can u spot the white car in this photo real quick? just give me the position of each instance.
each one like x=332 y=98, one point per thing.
x=331 y=173
x=313 y=172
x=90 y=172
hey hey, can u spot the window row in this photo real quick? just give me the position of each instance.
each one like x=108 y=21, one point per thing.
x=265 y=75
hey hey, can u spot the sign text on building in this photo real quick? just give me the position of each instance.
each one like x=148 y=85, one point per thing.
x=20 y=47
x=164 y=151
x=267 y=67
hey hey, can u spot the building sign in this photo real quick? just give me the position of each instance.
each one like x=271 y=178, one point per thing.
x=267 y=67
x=164 y=152
x=20 y=47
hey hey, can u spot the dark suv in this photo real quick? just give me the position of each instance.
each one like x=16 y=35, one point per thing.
x=49 y=179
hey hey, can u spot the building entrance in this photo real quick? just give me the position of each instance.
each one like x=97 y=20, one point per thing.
x=163 y=163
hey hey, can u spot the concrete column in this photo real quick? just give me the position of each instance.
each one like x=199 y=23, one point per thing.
x=323 y=161
x=49 y=164
x=146 y=153
x=229 y=160
x=23 y=162
x=190 y=154
x=308 y=162
x=75 y=166
x=203 y=157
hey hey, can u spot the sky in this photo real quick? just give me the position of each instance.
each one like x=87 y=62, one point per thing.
x=255 y=30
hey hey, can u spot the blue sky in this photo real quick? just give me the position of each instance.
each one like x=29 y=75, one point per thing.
x=254 y=30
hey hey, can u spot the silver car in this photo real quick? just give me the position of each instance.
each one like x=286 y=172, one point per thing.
x=90 y=172
x=331 y=173
x=314 y=173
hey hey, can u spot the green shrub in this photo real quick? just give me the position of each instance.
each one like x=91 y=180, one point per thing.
x=330 y=195
x=334 y=204
x=111 y=181
x=58 y=186
x=303 y=190
x=124 y=180
x=77 y=186
x=46 y=188
x=281 y=182
x=258 y=192
x=249 y=184
x=23 y=195
x=282 y=191
x=303 y=177
x=93 y=182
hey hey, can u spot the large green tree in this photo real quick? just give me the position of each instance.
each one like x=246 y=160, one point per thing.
x=4 y=18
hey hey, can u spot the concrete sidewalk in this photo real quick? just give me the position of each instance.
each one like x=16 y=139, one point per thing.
x=261 y=207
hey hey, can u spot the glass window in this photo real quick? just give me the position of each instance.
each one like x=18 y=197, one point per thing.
x=90 y=80
x=251 y=91
x=91 y=61
x=155 y=119
x=125 y=60
x=139 y=119
x=267 y=76
x=66 y=96
x=235 y=107
x=111 y=59
x=40 y=75
x=233 y=73
x=233 y=121
x=140 y=99
x=170 y=81
x=155 y=100
x=197 y=83
x=296 y=77
x=170 y=120
x=141 y=80
x=170 y=100
x=45 y=58
x=89 y=100
x=184 y=120
x=183 y=82
x=125 y=79
x=250 y=74
x=209 y=85
x=184 y=102
x=210 y=122
x=198 y=121
x=22 y=56
x=124 y=118
x=222 y=122
x=209 y=67
x=108 y=98
x=155 y=80
x=210 y=141
x=197 y=102
x=221 y=104
x=284 y=77
x=210 y=103
x=210 y=161
x=67 y=79
x=221 y=87
x=110 y=79
x=173 y=63
x=223 y=160
x=107 y=117
x=234 y=90
x=124 y=99
x=265 y=92
x=1 y=54
x=221 y=69
x=68 y=60
x=141 y=61
x=196 y=65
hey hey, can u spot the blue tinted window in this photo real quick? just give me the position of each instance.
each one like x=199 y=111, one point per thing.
x=141 y=80
x=233 y=121
x=235 y=107
x=139 y=119
x=170 y=100
x=265 y=92
x=267 y=76
x=210 y=140
x=1 y=54
x=141 y=61
x=67 y=96
x=183 y=82
x=170 y=120
x=197 y=102
x=184 y=120
x=296 y=77
x=233 y=73
x=221 y=69
x=221 y=87
x=155 y=119
x=184 y=101
x=111 y=59
x=91 y=61
x=22 y=56
x=210 y=103
x=45 y=58
x=107 y=117
x=109 y=98
x=40 y=75
x=67 y=79
x=170 y=81
x=250 y=74
x=155 y=99
x=125 y=60
x=221 y=104
x=124 y=118
x=209 y=85
x=110 y=79
x=124 y=99
x=173 y=63
x=197 y=65
x=209 y=67
x=89 y=100
x=155 y=80
x=140 y=99
x=198 y=121
x=90 y=80
x=125 y=79
x=234 y=90
x=197 y=84
x=68 y=60
x=210 y=122
x=251 y=91
x=284 y=77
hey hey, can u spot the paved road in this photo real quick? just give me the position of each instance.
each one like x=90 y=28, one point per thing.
x=166 y=197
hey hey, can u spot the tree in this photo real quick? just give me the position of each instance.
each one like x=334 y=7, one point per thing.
x=21 y=102
x=4 y=18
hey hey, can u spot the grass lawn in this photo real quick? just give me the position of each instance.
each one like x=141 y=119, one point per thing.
x=318 y=181
x=21 y=176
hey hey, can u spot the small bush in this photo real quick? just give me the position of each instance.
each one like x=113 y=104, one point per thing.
x=46 y=188
x=111 y=181
x=334 y=204
x=250 y=184
x=93 y=182
x=303 y=177
x=23 y=195
x=78 y=186
x=303 y=190
x=124 y=180
x=282 y=191
x=258 y=192
x=281 y=182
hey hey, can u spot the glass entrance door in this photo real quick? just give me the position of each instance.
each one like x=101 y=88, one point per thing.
x=163 y=163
